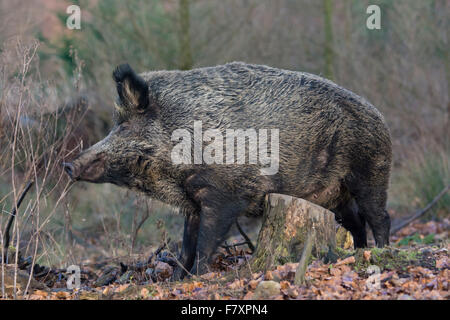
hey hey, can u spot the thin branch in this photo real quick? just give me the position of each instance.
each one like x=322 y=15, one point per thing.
x=421 y=212
x=11 y=219
x=247 y=239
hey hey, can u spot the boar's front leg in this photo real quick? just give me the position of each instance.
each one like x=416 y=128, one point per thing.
x=189 y=246
x=216 y=219
x=219 y=209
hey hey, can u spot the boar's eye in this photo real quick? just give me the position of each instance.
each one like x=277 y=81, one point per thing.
x=122 y=127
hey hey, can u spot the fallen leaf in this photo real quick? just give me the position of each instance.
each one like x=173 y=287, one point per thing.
x=41 y=293
x=248 y=296
x=348 y=260
x=441 y=263
x=122 y=287
x=293 y=293
x=62 y=295
x=144 y=292
x=36 y=297
x=285 y=285
x=253 y=284
x=268 y=275
x=209 y=276
x=335 y=272
x=236 y=284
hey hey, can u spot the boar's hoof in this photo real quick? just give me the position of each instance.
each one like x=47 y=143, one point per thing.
x=199 y=269
x=178 y=274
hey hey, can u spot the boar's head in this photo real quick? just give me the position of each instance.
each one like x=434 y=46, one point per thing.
x=133 y=152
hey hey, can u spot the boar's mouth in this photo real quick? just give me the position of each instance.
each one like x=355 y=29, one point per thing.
x=69 y=169
x=91 y=170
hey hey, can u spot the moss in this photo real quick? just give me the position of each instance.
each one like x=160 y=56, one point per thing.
x=388 y=258
x=344 y=253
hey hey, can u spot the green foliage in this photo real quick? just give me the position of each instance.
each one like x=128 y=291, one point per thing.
x=420 y=180
x=138 y=31
x=388 y=258
x=416 y=238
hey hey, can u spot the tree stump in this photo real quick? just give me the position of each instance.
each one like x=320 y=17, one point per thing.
x=287 y=222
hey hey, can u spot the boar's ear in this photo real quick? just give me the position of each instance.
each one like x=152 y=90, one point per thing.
x=132 y=89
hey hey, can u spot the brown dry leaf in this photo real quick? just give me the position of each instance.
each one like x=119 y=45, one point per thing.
x=41 y=293
x=236 y=284
x=186 y=287
x=348 y=260
x=189 y=287
x=253 y=284
x=367 y=255
x=434 y=295
x=345 y=268
x=335 y=272
x=248 y=296
x=213 y=287
x=106 y=291
x=321 y=269
x=209 y=275
x=62 y=295
x=441 y=263
x=285 y=285
x=144 y=292
x=268 y=275
x=291 y=266
x=122 y=287
x=293 y=293
x=410 y=286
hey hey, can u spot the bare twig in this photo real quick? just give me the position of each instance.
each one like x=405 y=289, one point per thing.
x=421 y=212
x=11 y=219
x=137 y=225
x=158 y=251
x=145 y=265
x=247 y=239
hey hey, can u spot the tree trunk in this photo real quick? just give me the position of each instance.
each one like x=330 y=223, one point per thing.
x=328 y=26
x=186 y=61
x=287 y=223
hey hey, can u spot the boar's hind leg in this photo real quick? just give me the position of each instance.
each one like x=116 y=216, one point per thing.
x=372 y=206
x=189 y=246
x=348 y=216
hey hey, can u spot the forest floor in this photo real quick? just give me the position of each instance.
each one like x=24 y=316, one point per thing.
x=415 y=266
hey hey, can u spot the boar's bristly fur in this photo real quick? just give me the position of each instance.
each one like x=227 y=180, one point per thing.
x=335 y=149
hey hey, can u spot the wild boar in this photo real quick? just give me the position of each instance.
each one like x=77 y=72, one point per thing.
x=334 y=149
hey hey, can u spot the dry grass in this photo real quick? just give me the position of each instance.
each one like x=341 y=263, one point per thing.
x=38 y=132
x=50 y=116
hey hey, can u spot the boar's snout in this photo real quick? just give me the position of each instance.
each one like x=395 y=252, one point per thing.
x=86 y=167
x=69 y=169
